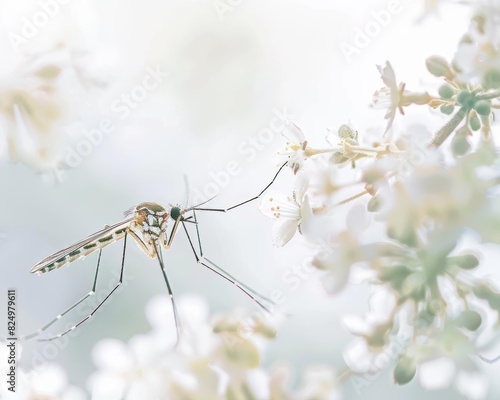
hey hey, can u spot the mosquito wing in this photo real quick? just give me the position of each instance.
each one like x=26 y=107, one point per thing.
x=96 y=241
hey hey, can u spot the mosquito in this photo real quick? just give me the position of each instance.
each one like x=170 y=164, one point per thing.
x=146 y=223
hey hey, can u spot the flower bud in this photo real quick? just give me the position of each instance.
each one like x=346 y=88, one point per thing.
x=483 y=107
x=438 y=66
x=446 y=91
x=404 y=371
x=474 y=122
x=491 y=79
x=446 y=109
x=470 y=320
x=465 y=98
x=465 y=261
x=373 y=204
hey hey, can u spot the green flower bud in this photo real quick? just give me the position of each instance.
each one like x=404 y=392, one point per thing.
x=447 y=109
x=474 y=122
x=470 y=320
x=446 y=91
x=491 y=79
x=395 y=275
x=483 y=107
x=438 y=66
x=486 y=293
x=404 y=371
x=465 y=261
x=460 y=145
x=406 y=235
x=374 y=204
x=415 y=285
x=465 y=98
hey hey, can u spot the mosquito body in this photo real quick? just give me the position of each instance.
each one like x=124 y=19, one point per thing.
x=149 y=225
x=148 y=220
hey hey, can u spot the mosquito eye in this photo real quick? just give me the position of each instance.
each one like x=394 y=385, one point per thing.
x=175 y=213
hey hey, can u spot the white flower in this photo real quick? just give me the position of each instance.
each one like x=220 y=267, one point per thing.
x=440 y=372
x=149 y=366
x=341 y=250
x=389 y=96
x=294 y=152
x=290 y=212
x=320 y=383
x=373 y=350
x=48 y=381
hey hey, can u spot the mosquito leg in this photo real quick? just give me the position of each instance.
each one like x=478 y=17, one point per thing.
x=99 y=305
x=159 y=256
x=197 y=234
x=489 y=361
x=243 y=202
x=67 y=310
x=219 y=271
x=222 y=270
x=172 y=234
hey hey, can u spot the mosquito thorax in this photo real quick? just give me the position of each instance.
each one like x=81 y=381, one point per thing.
x=175 y=213
x=151 y=218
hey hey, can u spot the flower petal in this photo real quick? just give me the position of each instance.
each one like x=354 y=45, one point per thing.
x=279 y=206
x=283 y=231
x=436 y=374
x=293 y=133
x=112 y=354
x=50 y=380
x=388 y=75
x=301 y=185
x=472 y=385
x=335 y=280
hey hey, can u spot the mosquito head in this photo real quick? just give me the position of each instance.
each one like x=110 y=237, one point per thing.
x=176 y=213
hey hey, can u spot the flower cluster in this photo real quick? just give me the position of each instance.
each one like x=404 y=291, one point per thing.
x=48 y=381
x=213 y=360
x=432 y=309
x=35 y=105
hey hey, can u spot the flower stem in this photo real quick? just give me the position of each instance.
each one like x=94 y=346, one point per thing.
x=344 y=373
x=349 y=199
x=442 y=134
x=489 y=95
x=312 y=152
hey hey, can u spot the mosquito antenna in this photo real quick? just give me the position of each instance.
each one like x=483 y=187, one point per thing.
x=186 y=190
x=200 y=204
